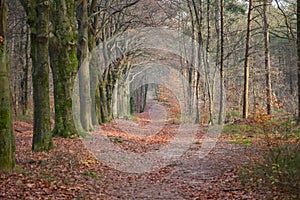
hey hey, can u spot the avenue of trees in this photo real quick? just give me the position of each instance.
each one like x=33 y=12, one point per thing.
x=246 y=50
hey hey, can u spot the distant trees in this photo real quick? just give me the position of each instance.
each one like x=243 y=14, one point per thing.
x=7 y=138
x=19 y=57
x=65 y=32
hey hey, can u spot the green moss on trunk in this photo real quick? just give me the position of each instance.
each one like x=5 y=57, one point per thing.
x=64 y=63
x=7 y=138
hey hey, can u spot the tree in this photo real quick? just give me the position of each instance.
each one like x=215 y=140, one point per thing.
x=222 y=73
x=298 y=52
x=64 y=64
x=19 y=56
x=42 y=136
x=267 y=56
x=7 y=138
x=83 y=63
x=247 y=63
x=38 y=19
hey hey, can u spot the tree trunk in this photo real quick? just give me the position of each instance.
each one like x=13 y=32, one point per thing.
x=38 y=20
x=267 y=58
x=298 y=52
x=114 y=98
x=83 y=63
x=247 y=63
x=222 y=75
x=64 y=64
x=7 y=138
x=24 y=84
x=42 y=137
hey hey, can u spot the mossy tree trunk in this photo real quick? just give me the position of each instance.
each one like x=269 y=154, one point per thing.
x=64 y=64
x=42 y=136
x=298 y=52
x=7 y=139
x=38 y=20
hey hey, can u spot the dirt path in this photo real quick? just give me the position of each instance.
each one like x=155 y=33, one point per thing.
x=187 y=177
x=213 y=177
x=69 y=171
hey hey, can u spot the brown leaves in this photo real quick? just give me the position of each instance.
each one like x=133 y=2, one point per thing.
x=69 y=171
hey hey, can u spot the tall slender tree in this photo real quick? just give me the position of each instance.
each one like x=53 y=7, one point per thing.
x=7 y=139
x=222 y=73
x=267 y=56
x=247 y=63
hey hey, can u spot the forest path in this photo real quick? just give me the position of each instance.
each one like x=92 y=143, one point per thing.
x=213 y=177
x=70 y=171
x=188 y=177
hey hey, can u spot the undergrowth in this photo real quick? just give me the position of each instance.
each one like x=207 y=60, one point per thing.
x=277 y=166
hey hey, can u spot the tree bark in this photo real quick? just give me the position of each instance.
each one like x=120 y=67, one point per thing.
x=267 y=58
x=298 y=52
x=247 y=63
x=64 y=64
x=222 y=74
x=42 y=136
x=83 y=63
x=38 y=20
x=7 y=138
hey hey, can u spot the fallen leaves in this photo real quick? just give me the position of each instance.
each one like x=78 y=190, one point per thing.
x=69 y=171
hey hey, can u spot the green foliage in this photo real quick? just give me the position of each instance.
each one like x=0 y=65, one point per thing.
x=172 y=165
x=235 y=7
x=278 y=168
x=264 y=127
x=133 y=117
x=20 y=170
x=241 y=133
x=92 y=174
x=243 y=141
x=233 y=115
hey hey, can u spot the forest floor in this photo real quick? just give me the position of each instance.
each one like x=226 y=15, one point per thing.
x=70 y=171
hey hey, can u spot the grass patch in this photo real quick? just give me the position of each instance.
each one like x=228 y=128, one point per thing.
x=92 y=174
x=133 y=117
x=172 y=165
x=244 y=142
x=240 y=133
x=20 y=170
